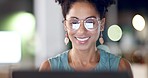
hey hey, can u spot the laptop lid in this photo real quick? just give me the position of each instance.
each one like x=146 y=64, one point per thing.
x=35 y=74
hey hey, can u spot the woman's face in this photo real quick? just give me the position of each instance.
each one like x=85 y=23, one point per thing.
x=83 y=39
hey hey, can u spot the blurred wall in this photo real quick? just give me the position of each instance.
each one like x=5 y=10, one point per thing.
x=49 y=30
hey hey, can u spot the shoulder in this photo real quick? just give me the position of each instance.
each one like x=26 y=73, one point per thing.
x=109 y=55
x=53 y=62
x=59 y=56
x=45 y=66
x=124 y=65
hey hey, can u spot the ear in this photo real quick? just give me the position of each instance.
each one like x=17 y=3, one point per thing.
x=64 y=22
x=102 y=24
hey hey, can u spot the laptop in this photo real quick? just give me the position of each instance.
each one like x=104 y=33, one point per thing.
x=36 y=74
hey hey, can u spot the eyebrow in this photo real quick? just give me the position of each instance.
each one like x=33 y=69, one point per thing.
x=91 y=17
x=85 y=18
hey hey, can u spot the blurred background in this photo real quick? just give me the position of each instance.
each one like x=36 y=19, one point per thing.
x=32 y=31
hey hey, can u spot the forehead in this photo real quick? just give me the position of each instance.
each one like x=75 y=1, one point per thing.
x=82 y=10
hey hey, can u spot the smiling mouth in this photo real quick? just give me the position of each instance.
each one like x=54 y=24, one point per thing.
x=82 y=39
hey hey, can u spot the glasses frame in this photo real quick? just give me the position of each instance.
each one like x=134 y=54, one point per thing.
x=83 y=21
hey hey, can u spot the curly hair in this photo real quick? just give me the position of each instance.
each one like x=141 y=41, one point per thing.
x=100 y=5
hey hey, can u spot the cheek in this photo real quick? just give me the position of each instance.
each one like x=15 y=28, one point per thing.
x=70 y=34
x=96 y=35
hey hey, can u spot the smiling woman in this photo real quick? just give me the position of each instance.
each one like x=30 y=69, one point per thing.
x=83 y=23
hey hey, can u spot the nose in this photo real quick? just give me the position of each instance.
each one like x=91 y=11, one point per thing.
x=82 y=29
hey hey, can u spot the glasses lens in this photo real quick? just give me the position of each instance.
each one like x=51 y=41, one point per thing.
x=91 y=23
x=73 y=24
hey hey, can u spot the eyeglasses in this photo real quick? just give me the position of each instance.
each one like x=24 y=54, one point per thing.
x=90 y=23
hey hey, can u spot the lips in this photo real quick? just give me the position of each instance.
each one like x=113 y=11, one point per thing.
x=82 y=40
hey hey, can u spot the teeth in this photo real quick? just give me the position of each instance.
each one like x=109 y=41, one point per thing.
x=82 y=39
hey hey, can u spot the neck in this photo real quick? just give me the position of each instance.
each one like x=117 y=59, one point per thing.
x=84 y=57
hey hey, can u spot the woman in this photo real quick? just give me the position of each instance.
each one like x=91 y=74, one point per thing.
x=84 y=22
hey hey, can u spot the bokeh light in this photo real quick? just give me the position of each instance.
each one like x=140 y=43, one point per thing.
x=10 y=47
x=138 y=22
x=114 y=33
x=23 y=22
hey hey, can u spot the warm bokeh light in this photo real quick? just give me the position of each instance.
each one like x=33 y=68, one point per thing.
x=138 y=22
x=114 y=33
x=23 y=22
x=10 y=47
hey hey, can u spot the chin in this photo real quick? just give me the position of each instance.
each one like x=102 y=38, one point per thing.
x=82 y=47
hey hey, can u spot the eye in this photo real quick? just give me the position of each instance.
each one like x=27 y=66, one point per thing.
x=74 y=23
x=89 y=23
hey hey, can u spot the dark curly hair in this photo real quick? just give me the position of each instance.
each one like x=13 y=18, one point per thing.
x=100 y=5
